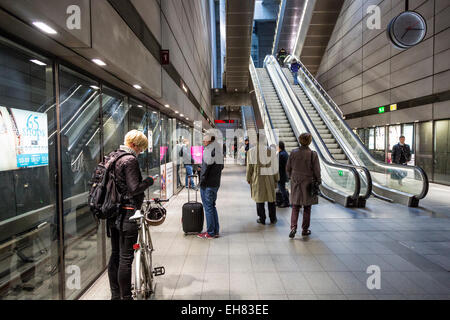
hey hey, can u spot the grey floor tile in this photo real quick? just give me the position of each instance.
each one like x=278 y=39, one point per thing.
x=348 y=283
x=426 y=282
x=390 y=297
x=330 y=262
x=244 y=297
x=353 y=262
x=385 y=286
x=240 y=263
x=331 y=297
x=262 y=263
x=321 y=283
x=308 y=263
x=360 y=297
x=217 y=264
x=302 y=297
x=295 y=283
x=194 y=264
x=216 y=284
x=273 y=297
x=401 y=283
x=211 y=297
x=374 y=259
x=399 y=263
x=189 y=284
x=257 y=248
x=242 y=283
x=186 y=297
x=239 y=248
x=284 y=263
x=268 y=283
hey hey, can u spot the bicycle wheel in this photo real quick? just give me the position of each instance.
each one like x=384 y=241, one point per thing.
x=141 y=276
x=148 y=260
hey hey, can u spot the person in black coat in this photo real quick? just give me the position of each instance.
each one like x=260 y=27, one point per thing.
x=123 y=232
x=401 y=152
x=283 y=158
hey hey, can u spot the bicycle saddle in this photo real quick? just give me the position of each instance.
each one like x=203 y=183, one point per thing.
x=137 y=215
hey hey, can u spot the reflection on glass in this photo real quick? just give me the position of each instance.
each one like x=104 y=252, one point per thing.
x=394 y=135
x=29 y=237
x=80 y=152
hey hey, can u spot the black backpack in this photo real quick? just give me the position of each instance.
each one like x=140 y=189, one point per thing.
x=104 y=198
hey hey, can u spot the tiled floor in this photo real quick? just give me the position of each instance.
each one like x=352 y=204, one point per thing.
x=251 y=261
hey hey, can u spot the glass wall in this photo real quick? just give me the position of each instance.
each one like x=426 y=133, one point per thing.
x=29 y=224
x=80 y=153
x=442 y=152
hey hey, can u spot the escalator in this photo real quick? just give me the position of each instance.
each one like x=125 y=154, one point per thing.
x=331 y=143
x=394 y=183
x=341 y=183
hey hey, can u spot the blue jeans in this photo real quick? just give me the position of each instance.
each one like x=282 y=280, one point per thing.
x=295 y=77
x=188 y=173
x=209 y=196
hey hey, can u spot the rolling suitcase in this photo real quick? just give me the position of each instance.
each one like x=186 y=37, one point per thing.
x=192 y=216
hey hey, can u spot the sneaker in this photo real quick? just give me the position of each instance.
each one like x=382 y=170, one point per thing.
x=274 y=221
x=201 y=235
x=216 y=235
x=306 y=232
x=207 y=236
x=260 y=221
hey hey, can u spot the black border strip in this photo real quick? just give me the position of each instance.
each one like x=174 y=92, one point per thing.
x=432 y=98
x=131 y=16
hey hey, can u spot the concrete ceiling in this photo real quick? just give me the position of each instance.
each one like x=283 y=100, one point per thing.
x=239 y=24
x=287 y=31
x=323 y=20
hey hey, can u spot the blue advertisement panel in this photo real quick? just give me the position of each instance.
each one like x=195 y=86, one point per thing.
x=25 y=138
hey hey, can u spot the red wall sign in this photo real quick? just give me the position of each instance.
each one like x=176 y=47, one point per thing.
x=165 y=57
x=224 y=121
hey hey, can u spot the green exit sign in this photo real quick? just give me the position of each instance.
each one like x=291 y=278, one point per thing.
x=341 y=173
x=381 y=109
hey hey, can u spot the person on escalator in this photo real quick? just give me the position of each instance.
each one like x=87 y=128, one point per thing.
x=281 y=55
x=303 y=168
x=282 y=160
x=295 y=66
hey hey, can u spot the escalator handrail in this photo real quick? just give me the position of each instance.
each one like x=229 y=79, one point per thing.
x=330 y=101
x=261 y=94
x=366 y=171
x=319 y=152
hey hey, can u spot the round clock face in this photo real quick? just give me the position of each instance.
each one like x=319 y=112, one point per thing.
x=407 y=29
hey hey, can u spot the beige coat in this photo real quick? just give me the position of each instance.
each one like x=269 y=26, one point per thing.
x=262 y=185
x=301 y=172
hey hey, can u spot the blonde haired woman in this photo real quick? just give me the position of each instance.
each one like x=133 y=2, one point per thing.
x=123 y=232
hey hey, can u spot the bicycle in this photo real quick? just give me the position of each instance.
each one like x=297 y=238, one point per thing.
x=153 y=215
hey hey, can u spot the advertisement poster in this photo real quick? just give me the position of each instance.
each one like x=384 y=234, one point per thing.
x=24 y=139
x=169 y=180
x=150 y=140
x=166 y=181
x=197 y=154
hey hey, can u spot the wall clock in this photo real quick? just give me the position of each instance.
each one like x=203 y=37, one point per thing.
x=407 y=29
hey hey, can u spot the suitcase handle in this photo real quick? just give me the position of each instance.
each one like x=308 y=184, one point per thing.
x=196 y=196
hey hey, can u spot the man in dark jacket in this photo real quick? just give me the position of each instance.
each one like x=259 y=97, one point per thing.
x=401 y=152
x=282 y=159
x=281 y=55
x=295 y=66
x=211 y=172
x=124 y=232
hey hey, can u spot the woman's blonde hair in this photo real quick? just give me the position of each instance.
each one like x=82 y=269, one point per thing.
x=305 y=139
x=137 y=138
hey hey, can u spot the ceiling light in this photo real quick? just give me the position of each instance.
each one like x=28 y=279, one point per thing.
x=99 y=62
x=40 y=63
x=140 y=106
x=155 y=112
x=45 y=27
x=136 y=86
x=181 y=114
x=167 y=106
x=176 y=111
x=187 y=118
x=95 y=87
x=184 y=88
x=235 y=90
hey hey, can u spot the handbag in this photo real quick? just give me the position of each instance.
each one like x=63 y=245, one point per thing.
x=314 y=189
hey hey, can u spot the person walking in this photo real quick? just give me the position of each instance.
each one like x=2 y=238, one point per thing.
x=303 y=168
x=282 y=160
x=262 y=184
x=210 y=174
x=188 y=162
x=122 y=231
x=295 y=66
x=401 y=154
x=281 y=55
